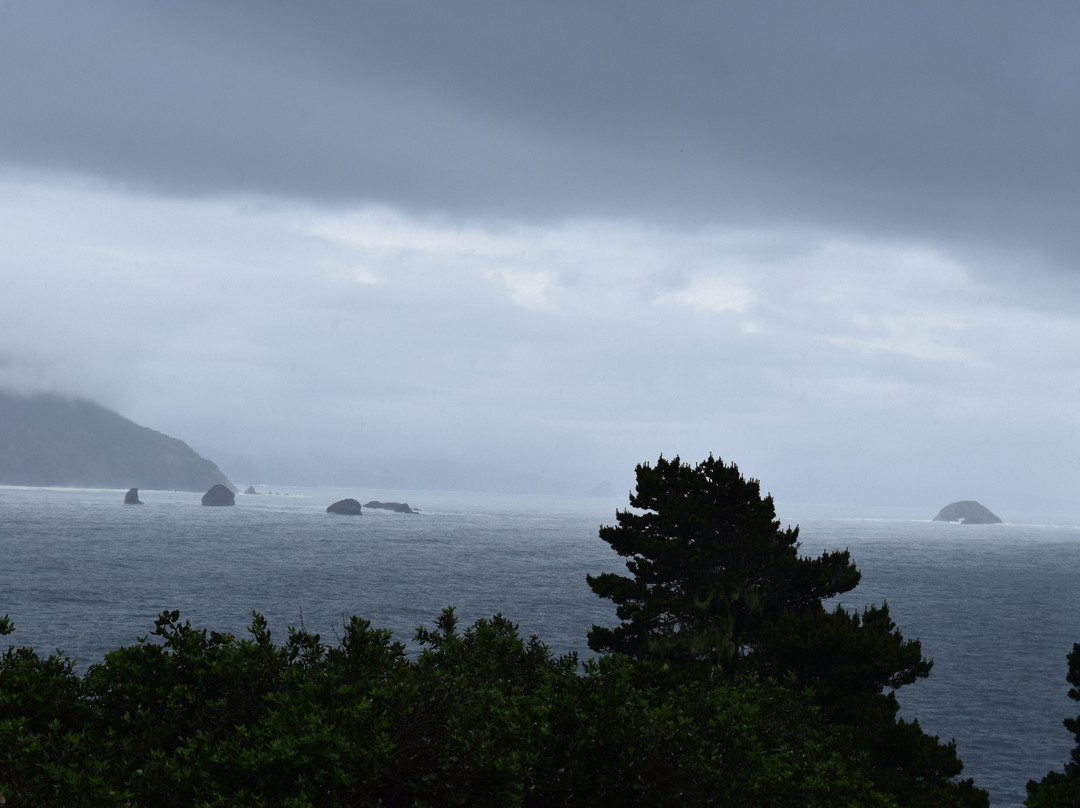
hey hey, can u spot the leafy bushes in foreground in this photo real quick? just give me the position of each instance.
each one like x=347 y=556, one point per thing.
x=479 y=717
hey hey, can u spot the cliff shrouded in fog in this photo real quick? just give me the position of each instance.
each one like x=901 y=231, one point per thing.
x=51 y=440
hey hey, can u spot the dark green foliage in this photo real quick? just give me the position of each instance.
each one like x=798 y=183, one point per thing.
x=481 y=718
x=709 y=567
x=44 y=748
x=849 y=660
x=740 y=744
x=717 y=589
x=854 y=663
x=1057 y=789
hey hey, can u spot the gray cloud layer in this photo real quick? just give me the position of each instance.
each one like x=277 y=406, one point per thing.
x=835 y=242
x=957 y=120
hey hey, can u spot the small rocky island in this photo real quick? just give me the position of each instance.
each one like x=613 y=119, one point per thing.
x=967 y=512
x=396 y=507
x=348 y=507
x=132 y=497
x=219 y=495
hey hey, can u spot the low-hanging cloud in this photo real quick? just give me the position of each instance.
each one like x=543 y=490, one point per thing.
x=248 y=329
x=834 y=243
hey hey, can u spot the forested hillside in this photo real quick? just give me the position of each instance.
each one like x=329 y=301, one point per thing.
x=52 y=440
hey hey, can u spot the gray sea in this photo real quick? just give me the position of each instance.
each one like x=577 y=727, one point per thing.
x=997 y=607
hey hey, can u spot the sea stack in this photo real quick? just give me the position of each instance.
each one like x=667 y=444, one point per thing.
x=967 y=512
x=396 y=507
x=132 y=497
x=219 y=495
x=349 y=507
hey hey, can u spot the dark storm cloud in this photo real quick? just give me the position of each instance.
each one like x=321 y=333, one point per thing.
x=921 y=120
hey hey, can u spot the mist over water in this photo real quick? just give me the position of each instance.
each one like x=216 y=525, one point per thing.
x=994 y=606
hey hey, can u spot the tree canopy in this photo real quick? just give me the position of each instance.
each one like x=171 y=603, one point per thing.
x=479 y=717
x=709 y=567
x=1062 y=789
x=715 y=585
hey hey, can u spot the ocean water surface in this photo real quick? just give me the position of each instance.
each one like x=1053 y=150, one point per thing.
x=997 y=607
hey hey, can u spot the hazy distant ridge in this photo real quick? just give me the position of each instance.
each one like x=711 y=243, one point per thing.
x=51 y=440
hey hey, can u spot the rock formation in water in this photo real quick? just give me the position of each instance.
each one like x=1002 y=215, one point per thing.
x=219 y=495
x=396 y=507
x=349 y=507
x=132 y=497
x=52 y=440
x=967 y=512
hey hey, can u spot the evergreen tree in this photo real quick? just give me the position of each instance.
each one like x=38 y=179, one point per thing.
x=716 y=585
x=709 y=567
x=1057 y=789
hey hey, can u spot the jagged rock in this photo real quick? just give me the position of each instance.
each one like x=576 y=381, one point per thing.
x=250 y=490
x=396 y=507
x=349 y=507
x=132 y=497
x=967 y=512
x=219 y=495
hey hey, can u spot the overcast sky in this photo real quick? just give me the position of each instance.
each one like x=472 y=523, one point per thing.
x=506 y=244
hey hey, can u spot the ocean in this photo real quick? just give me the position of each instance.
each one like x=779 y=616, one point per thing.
x=997 y=607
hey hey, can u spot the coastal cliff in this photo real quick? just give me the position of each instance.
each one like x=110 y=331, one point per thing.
x=52 y=440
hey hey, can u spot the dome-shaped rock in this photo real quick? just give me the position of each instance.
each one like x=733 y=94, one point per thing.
x=219 y=495
x=967 y=512
x=349 y=507
x=132 y=497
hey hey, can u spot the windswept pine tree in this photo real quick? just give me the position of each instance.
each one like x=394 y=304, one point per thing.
x=1062 y=789
x=710 y=568
x=717 y=587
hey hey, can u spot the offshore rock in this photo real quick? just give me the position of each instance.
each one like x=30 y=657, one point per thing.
x=967 y=512
x=132 y=497
x=349 y=507
x=219 y=495
x=396 y=507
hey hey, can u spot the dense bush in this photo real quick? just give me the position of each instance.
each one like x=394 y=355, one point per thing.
x=478 y=717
